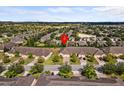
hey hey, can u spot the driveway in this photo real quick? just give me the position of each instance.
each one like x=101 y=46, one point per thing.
x=83 y=62
x=101 y=63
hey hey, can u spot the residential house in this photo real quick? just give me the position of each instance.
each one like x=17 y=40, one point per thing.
x=114 y=50
x=71 y=43
x=80 y=51
x=45 y=38
x=81 y=43
x=24 y=51
x=18 y=39
x=9 y=46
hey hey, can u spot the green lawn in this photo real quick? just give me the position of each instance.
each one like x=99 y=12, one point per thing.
x=28 y=60
x=50 y=62
x=18 y=75
x=13 y=59
x=39 y=44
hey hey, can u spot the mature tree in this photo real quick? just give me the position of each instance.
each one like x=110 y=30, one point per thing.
x=110 y=58
x=14 y=70
x=41 y=60
x=120 y=68
x=89 y=72
x=37 y=68
x=109 y=68
x=65 y=71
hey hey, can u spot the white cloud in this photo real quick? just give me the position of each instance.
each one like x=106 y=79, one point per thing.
x=60 y=10
x=110 y=11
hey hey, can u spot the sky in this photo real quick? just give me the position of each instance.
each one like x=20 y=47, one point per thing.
x=62 y=13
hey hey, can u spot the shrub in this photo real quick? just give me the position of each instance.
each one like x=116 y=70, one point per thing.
x=21 y=61
x=10 y=74
x=6 y=59
x=17 y=54
x=41 y=60
x=47 y=72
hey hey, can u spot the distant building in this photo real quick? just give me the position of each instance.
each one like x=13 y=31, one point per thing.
x=81 y=43
x=86 y=37
x=45 y=37
x=17 y=40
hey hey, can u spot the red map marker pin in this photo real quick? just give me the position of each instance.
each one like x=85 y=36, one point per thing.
x=64 y=38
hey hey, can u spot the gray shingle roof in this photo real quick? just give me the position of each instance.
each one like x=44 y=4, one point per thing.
x=35 y=51
x=116 y=50
x=17 y=39
x=82 y=50
x=9 y=45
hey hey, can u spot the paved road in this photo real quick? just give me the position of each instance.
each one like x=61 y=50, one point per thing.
x=54 y=67
x=83 y=62
x=78 y=83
